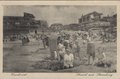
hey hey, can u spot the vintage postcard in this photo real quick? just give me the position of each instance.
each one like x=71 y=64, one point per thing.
x=59 y=39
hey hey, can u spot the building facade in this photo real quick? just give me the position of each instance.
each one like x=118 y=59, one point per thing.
x=20 y=24
x=91 y=17
x=95 y=22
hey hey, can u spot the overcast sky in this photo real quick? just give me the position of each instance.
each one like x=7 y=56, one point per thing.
x=58 y=14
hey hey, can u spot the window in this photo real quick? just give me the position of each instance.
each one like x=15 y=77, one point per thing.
x=17 y=23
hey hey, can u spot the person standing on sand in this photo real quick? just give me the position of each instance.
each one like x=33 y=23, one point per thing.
x=43 y=36
x=78 y=50
x=90 y=49
x=52 y=44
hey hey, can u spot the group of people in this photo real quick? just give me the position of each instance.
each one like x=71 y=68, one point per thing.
x=68 y=50
x=64 y=55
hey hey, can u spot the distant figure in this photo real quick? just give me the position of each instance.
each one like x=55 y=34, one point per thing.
x=74 y=49
x=44 y=39
x=36 y=32
x=66 y=43
x=78 y=50
x=68 y=59
x=25 y=40
x=59 y=39
x=84 y=37
x=103 y=37
x=56 y=55
x=74 y=36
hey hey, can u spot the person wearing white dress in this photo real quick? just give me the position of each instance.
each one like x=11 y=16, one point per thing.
x=61 y=51
x=68 y=59
x=101 y=57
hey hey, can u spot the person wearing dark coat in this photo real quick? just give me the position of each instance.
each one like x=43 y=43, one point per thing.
x=90 y=49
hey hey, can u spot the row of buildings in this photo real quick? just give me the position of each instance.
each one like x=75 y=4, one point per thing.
x=95 y=19
x=21 y=24
x=27 y=23
x=88 y=21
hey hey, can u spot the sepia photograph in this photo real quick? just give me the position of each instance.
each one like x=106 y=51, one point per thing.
x=60 y=38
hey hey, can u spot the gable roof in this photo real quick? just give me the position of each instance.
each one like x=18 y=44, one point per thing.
x=95 y=13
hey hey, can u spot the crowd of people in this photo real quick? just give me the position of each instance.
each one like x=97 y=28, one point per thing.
x=68 y=48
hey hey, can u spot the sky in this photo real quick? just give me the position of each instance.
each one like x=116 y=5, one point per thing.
x=58 y=13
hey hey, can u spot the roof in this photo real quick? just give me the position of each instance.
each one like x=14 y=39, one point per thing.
x=19 y=17
x=95 y=13
x=12 y=17
x=28 y=15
